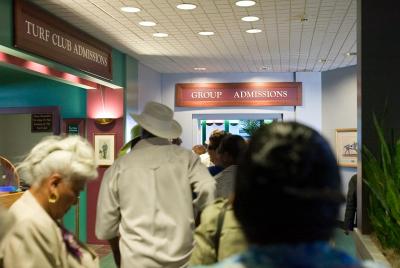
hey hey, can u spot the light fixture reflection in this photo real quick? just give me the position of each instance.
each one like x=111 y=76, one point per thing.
x=253 y=31
x=206 y=33
x=186 y=6
x=160 y=34
x=250 y=18
x=147 y=23
x=245 y=3
x=130 y=9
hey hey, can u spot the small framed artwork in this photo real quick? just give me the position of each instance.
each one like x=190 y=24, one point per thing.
x=104 y=148
x=346 y=147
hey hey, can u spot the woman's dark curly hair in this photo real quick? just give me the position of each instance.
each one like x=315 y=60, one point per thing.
x=287 y=186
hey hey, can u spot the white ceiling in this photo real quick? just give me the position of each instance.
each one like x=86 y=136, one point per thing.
x=286 y=44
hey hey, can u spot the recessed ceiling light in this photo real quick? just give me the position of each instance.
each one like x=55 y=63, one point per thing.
x=130 y=9
x=200 y=68
x=186 y=6
x=147 y=23
x=206 y=33
x=253 y=31
x=245 y=3
x=266 y=68
x=160 y=34
x=250 y=18
x=351 y=53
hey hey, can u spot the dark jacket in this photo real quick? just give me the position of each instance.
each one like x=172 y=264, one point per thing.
x=351 y=204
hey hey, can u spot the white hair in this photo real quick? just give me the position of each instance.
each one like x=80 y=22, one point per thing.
x=72 y=157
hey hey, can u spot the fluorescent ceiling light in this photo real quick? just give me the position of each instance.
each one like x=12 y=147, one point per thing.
x=322 y=60
x=200 y=68
x=185 y=6
x=130 y=9
x=206 y=33
x=351 y=53
x=245 y=3
x=253 y=31
x=160 y=34
x=147 y=23
x=250 y=18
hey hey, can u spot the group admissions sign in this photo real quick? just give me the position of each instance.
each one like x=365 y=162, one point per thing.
x=238 y=94
x=45 y=35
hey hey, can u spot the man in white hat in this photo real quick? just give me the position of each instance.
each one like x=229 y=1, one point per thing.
x=145 y=207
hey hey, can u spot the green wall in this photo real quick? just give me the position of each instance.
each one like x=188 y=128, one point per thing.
x=19 y=89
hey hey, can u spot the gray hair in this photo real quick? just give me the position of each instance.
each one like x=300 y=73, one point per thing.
x=72 y=157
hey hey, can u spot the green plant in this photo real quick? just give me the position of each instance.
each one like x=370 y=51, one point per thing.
x=250 y=126
x=382 y=176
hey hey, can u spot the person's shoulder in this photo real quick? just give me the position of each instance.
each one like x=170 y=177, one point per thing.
x=373 y=264
x=212 y=211
x=218 y=204
x=33 y=229
x=214 y=170
x=182 y=152
x=231 y=262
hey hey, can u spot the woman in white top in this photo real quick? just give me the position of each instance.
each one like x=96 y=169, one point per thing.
x=57 y=169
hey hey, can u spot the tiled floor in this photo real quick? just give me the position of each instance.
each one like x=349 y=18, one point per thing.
x=341 y=241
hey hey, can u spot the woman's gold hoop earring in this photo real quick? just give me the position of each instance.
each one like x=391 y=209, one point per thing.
x=53 y=198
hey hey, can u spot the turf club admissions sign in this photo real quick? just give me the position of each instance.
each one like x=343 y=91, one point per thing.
x=238 y=94
x=45 y=35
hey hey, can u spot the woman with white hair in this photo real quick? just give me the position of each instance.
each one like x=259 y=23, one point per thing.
x=57 y=169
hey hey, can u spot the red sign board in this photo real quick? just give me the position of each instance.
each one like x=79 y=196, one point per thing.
x=238 y=94
x=43 y=34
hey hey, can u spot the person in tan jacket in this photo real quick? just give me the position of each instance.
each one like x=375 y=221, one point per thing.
x=219 y=234
x=57 y=169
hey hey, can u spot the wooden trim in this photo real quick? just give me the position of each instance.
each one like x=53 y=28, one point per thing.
x=7 y=199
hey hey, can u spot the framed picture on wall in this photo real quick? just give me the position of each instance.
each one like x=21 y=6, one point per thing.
x=346 y=147
x=104 y=148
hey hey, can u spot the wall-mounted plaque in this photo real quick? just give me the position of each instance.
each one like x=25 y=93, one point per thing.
x=238 y=94
x=74 y=126
x=42 y=122
x=39 y=32
x=73 y=129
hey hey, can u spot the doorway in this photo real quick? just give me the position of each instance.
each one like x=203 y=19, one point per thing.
x=237 y=124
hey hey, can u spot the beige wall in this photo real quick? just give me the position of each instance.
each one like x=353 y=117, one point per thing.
x=339 y=110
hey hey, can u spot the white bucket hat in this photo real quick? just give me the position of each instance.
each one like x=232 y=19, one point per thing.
x=157 y=119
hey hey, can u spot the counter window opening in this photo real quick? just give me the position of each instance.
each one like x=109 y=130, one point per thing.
x=242 y=127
